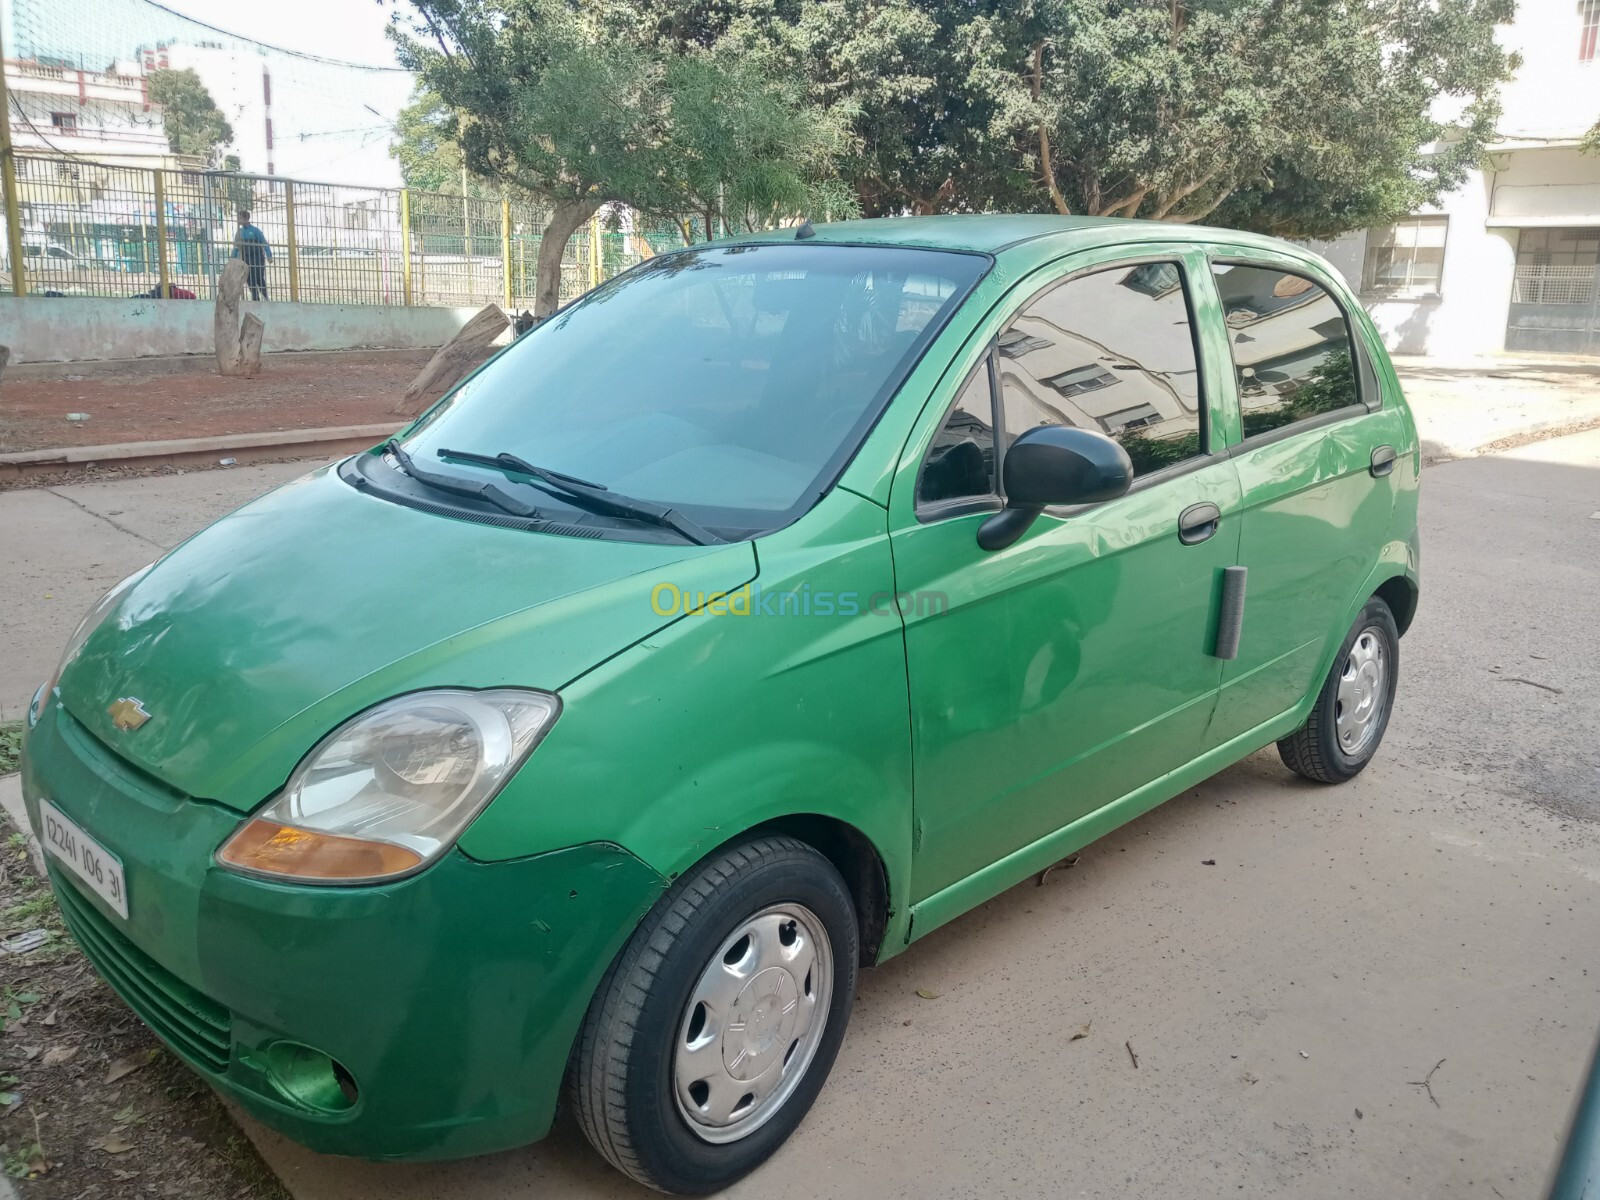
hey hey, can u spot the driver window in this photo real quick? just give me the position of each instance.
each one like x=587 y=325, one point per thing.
x=1112 y=352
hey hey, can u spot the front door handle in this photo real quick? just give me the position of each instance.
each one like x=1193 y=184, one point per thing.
x=1382 y=460
x=1198 y=522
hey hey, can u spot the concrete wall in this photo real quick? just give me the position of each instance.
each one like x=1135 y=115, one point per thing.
x=74 y=328
x=1468 y=317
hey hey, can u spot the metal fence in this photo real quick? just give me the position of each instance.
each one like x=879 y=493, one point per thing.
x=1541 y=283
x=97 y=229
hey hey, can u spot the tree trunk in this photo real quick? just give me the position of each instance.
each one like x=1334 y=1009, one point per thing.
x=565 y=221
x=455 y=358
x=250 y=334
x=5 y=357
x=225 y=322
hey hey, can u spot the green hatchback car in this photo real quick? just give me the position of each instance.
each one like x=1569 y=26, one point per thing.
x=751 y=618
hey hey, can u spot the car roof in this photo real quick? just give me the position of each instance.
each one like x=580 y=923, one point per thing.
x=991 y=233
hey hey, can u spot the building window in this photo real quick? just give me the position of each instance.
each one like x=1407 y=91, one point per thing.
x=1589 y=32
x=1407 y=258
x=1556 y=266
x=1014 y=343
x=1080 y=380
x=64 y=122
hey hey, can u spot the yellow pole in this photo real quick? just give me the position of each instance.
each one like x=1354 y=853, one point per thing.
x=505 y=245
x=594 y=251
x=161 y=232
x=405 y=241
x=8 y=189
x=294 y=246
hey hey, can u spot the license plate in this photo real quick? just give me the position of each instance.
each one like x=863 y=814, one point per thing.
x=86 y=858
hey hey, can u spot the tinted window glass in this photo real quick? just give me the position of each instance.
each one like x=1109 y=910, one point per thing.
x=729 y=382
x=1112 y=352
x=1291 y=347
x=960 y=462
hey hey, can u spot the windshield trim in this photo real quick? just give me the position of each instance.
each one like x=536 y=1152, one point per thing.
x=831 y=471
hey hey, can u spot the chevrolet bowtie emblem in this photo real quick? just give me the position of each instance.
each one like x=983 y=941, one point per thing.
x=128 y=713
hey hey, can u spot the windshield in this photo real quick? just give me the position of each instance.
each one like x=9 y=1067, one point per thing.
x=728 y=382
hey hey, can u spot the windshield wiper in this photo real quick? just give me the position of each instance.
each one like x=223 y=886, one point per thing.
x=498 y=497
x=518 y=463
x=593 y=497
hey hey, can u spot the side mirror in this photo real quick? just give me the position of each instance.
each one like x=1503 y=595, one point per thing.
x=1054 y=464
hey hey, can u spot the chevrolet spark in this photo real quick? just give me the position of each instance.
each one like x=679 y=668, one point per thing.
x=748 y=620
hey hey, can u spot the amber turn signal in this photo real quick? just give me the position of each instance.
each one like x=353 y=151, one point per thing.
x=269 y=848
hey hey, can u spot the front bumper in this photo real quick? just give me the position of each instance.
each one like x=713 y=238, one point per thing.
x=452 y=998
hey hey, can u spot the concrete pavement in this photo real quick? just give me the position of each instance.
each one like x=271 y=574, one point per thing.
x=1464 y=408
x=1441 y=906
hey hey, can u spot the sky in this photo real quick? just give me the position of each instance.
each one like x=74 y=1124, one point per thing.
x=331 y=123
x=346 y=29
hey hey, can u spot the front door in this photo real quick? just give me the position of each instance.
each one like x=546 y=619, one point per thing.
x=1049 y=678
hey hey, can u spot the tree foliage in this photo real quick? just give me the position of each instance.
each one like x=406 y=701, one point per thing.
x=582 y=102
x=193 y=123
x=1302 y=118
x=1297 y=117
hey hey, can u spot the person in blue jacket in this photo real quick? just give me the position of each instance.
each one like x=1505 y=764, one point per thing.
x=252 y=246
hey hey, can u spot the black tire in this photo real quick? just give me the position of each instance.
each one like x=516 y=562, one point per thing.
x=622 y=1075
x=1314 y=750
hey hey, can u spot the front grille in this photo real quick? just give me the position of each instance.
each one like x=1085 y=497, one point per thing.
x=191 y=1023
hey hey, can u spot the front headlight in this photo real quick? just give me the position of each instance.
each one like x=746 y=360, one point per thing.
x=91 y=622
x=390 y=790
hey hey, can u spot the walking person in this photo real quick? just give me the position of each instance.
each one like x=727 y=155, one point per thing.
x=251 y=245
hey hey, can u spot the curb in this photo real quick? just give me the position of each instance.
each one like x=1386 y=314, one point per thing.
x=282 y=443
x=192 y=364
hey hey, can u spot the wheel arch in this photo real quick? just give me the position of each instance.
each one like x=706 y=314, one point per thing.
x=1401 y=594
x=852 y=854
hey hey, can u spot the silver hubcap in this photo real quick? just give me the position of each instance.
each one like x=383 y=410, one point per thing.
x=1363 y=691
x=753 y=1023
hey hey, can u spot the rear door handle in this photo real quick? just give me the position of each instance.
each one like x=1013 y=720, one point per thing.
x=1198 y=522
x=1382 y=460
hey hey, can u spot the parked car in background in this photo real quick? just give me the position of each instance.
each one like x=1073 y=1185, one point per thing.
x=769 y=607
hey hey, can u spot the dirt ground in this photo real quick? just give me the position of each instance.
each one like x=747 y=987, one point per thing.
x=91 y=1106
x=141 y=408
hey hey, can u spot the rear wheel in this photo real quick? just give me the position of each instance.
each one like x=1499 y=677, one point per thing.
x=1347 y=722
x=716 y=1027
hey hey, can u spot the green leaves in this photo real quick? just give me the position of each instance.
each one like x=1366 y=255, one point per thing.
x=190 y=117
x=1296 y=117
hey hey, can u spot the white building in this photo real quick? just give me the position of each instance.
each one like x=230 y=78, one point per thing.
x=1509 y=260
x=106 y=116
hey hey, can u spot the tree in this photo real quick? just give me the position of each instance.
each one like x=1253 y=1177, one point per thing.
x=1591 y=141
x=582 y=102
x=193 y=123
x=430 y=160
x=1296 y=117
x=914 y=71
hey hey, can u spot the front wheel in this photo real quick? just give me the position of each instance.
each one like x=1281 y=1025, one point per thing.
x=714 y=1030
x=1352 y=709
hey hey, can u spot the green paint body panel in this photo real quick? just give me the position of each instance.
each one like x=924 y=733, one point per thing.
x=1013 y=707
x=419 y=988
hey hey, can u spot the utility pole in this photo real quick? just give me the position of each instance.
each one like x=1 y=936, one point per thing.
x=8 y=183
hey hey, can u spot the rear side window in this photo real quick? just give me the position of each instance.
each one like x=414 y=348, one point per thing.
x=1113 y=352
x=1291 y=344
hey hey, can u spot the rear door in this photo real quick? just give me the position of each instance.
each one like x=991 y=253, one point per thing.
x=1316 y=461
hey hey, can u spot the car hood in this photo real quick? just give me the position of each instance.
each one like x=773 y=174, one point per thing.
x=259 y=635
